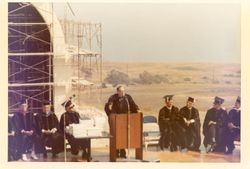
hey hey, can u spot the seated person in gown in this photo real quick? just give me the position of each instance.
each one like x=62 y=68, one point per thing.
x=48 y=128
x=191 y=123
x=73 y=117
x=215 y=127
x=234 y=126
x=172 y=133
x=27 y=140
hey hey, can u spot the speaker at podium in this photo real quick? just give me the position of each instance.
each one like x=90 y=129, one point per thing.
x=126 y=131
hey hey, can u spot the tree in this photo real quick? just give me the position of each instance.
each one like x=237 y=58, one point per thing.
x=116 y=77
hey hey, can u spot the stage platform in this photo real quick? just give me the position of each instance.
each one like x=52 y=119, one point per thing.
x=153 y=154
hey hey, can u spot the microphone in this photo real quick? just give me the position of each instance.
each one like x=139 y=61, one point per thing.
x=126 y=98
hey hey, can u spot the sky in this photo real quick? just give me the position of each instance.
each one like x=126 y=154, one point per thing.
x=164 y=31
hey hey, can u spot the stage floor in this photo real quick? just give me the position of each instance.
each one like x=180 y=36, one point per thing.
x=153 y=154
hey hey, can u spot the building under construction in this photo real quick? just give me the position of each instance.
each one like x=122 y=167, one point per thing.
x=44 y=53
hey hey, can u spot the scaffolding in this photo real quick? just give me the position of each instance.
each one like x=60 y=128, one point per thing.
x=30 y=57
x=31 y=54
x=84 y=45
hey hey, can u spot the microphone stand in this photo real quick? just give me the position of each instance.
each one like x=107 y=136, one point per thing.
x=64 y=134
x=128 y=125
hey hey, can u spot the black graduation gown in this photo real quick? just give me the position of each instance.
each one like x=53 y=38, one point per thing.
x=75 y=144
x=23 y=142
x=193 y=130
x=69 y=118
x=171 y=130
x=168 y=118
x=221 y=118
x=55 y=140
x=233 y=117
x=120 y=104
x=11 y=141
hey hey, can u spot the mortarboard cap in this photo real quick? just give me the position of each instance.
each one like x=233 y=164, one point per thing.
x=168 y=97
x=68 y=103
x=238 y=99
x=190 y=99
x=218 y=100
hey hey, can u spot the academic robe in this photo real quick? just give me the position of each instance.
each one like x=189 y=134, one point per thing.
x=234 y=117
x=55 y=140
x=221 y=118
x=120 y=105
x=193 y=135
x=24 y=143
x=66 y=119
x=233 y=133
x=11 y=141
x=170 y=128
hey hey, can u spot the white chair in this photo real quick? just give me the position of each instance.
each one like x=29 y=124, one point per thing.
x=151 y=132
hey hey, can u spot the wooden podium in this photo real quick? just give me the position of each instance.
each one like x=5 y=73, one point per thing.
x=120 y=135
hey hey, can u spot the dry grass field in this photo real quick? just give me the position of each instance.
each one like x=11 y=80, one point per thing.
x=202 y=81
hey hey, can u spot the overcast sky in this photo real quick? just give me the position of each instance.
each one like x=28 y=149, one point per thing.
x=176 y=32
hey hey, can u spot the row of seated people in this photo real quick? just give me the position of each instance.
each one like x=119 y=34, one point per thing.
x=180 y=129
x=31 y=134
